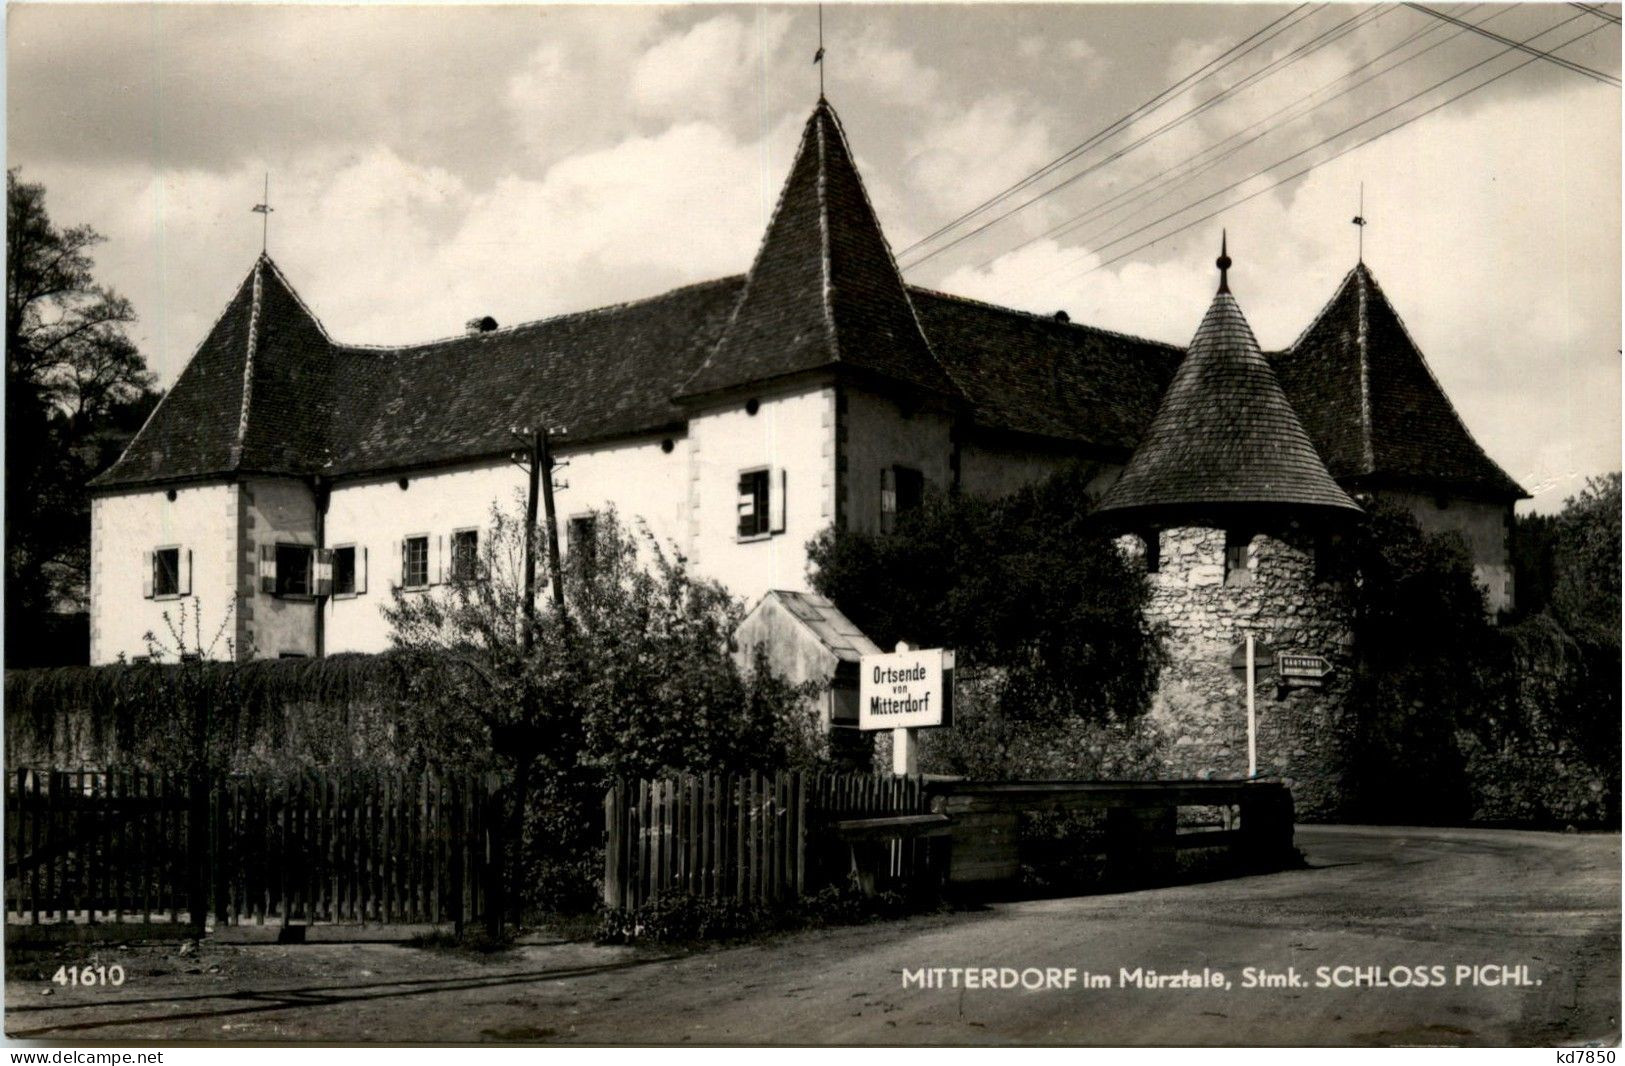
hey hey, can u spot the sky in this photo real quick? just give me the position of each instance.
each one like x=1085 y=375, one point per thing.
x=432 y=164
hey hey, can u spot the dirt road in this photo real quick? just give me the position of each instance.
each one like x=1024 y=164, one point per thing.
x=1386 y=905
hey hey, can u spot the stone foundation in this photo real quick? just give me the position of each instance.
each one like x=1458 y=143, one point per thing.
x=1204 y=614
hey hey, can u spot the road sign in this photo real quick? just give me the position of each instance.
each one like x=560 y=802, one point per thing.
x=906 y=689
x=1302 y=669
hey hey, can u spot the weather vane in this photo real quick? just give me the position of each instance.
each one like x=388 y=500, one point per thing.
x=1359 y=220
x=264 y=209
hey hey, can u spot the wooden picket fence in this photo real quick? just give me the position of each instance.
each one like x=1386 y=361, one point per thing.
x=118 y=845
x=753 y=837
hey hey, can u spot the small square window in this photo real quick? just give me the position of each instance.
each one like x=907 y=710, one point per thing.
x=166 y=572
x=415 y=563
x=902 y=489
x=753 y=503
x=293 y=570
x=1237 y=556
x=344 y=571
x=465 y=555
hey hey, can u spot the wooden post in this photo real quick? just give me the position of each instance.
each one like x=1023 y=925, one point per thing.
x=905 y=754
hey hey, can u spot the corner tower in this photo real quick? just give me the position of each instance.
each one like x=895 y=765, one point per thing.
x=1236 y=518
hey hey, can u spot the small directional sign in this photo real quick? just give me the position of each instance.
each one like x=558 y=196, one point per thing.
x=1302 y=669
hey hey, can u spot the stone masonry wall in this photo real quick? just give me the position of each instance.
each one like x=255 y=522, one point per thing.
x=1201 y=703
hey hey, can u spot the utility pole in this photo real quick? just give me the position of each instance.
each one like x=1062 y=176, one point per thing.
x=538 y=463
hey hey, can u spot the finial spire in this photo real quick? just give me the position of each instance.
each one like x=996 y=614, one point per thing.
x=1223 y=262
x=1359 y=221
x=264 y=209
x=818 y=57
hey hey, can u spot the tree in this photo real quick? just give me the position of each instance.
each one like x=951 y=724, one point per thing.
x=76 y=390
x=1425 y=657
x=1022 y=586
x=1585 y=563
x=634 y=678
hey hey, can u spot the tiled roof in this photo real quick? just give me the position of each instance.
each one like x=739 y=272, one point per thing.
x=824 y=290
x=597 y=373
x=1371 y=404
x=833 y=629
x=1224 y=434
x=1037 y=375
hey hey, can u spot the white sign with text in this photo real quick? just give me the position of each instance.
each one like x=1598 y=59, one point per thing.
x=906 y=689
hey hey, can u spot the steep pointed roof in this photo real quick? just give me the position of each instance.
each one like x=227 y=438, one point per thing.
x=1372 y=406
x=824 y=290
x=1224 y=434
x=255 y=396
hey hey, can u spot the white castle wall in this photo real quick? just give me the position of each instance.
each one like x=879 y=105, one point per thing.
x=124 y=527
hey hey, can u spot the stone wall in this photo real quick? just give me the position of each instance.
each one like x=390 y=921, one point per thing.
x=1205 y=614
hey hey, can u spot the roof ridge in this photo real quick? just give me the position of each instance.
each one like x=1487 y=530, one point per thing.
x=1422 y=360
x=563 y=316
x=1037 y=317
x=248 y=362
x=167 y=393
x=1325 y=308
x=756 y=260
x=885 y=243
x=825 y=265
x=300 y=300
x=1363 y=343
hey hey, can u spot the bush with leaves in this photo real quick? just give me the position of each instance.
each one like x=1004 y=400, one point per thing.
x=633 y=678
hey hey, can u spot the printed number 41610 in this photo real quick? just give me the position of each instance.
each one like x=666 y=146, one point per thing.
x=88 y=976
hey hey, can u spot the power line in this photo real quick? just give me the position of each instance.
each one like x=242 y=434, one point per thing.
x=1175 y=177
x=1210 y=67
x=1599 y=12
x=1190 y=168
x=1338 y=155
x=1291 y=57
x=1347 y=129
x=1566 y=64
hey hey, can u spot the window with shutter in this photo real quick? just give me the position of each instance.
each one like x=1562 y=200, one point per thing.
x=295 y=570
x=166 y=572
x=344 y=570
x=754 y=515
x=415 y=562
x=149 y=577
x=465 y=555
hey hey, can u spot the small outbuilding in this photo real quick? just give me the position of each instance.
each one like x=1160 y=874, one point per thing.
x=807 y=639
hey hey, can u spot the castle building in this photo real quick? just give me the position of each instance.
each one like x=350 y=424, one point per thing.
x=291 y=482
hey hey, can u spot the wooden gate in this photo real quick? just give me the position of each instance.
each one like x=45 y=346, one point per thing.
x=89 y=846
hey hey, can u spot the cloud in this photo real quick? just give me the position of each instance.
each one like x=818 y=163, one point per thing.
x=707 y=70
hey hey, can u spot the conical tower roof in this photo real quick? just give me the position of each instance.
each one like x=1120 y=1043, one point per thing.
x=254 y=397
x=1224 y=436
x=824 y=291
x=1373 y=407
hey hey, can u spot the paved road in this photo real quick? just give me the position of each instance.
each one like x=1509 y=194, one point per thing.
x=1382 y=898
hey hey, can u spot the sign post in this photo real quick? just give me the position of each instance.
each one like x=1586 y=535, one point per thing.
x=904 y=691
x=1252 y=715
